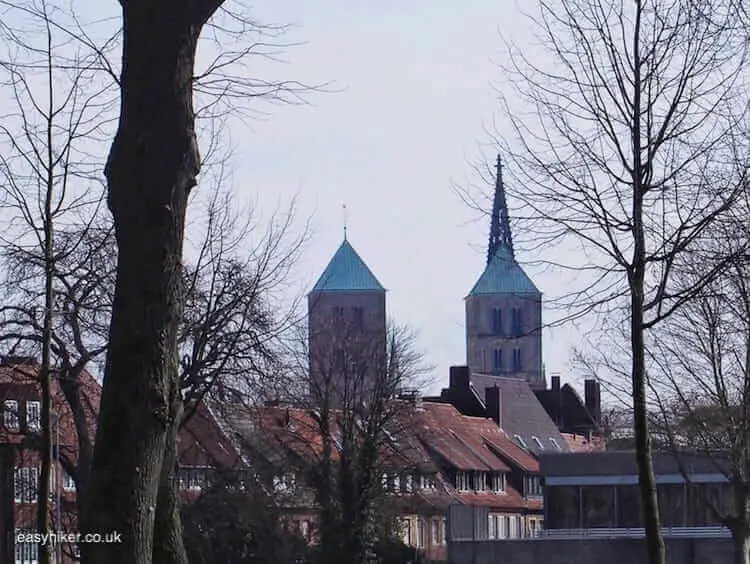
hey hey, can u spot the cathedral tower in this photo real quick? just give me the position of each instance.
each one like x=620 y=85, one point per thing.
x=504 y=308
x=347 y=324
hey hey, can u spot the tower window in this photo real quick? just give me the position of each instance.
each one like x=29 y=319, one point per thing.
x=517 y=322
x=497 y=321
x=497 y=360
x=517 y=365
x=483 y=359
x=338 y=313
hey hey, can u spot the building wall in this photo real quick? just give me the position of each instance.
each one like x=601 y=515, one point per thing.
x=481 y=340
x=328 y=334
x=587 y=551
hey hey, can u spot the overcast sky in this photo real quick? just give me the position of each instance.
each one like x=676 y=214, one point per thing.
x=414 y=106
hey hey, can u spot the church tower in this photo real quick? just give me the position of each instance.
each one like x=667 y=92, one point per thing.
x=347 y=326
x=504 y=308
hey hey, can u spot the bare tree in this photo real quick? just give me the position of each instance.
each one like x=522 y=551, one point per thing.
x=621 y=137
x=57 y=101
x=354 y=378
x=700 y=366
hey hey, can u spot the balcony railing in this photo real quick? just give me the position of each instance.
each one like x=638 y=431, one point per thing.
x=668 y=532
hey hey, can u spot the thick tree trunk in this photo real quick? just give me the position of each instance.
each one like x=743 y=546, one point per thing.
x=151 y=168
x=168 y=547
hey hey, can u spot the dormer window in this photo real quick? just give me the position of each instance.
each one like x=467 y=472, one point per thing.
x=480 y=481
x=520 y=441
x=427 y=482
x=33 y=416
x=555 y=444
x=10 y=415
x=462 y=481
x=285 y=483
x=532 y=486
x=497 y=321
x=498 y=483
x=538 y=443
x=409 y=483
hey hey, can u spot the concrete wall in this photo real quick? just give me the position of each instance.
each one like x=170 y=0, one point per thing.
x=587 y=551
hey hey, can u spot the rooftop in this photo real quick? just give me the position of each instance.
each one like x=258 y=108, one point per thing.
x=503 y=275
x=347 y=272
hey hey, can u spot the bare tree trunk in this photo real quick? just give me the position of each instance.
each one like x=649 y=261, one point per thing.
x=151 y=168
x=168 y=547
x=646 y=478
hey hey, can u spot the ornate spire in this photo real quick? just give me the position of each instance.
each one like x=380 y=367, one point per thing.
x=500 y=227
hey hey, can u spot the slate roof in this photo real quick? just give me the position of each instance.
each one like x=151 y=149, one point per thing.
x=347 y=272
x=522 y=413
x=503 y=275
x=567 y=409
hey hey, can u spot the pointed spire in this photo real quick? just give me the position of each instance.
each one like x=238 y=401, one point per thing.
x=500 y=226
x=344 y=207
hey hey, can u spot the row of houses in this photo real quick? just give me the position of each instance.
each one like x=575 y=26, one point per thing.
x=436 y=455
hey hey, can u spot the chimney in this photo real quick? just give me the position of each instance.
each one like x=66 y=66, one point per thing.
x=556 y=383
x=592 y=395
x=494 y=400
x=459 y=378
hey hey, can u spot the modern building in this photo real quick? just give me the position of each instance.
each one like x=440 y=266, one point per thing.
x=588 y=492
x=347 y=327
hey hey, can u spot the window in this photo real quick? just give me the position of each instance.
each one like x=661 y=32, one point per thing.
x=519 y=526
x=10 y=415
x=462 y=482
x=480 y=481
x=493 y=527
x=506 y=527
x=359 y=318
x=532 y=486
x=427 y=481
x=483 y=359
x=517 y=364
x=406 y=531
x=497 y=321
x=384 y=481
x=33 y=416
x=409 y=483
x=305 y=530
x=497 y=360
x=69 y=484
x=498 y=483
x=436 y=530
x=338 y=313
x=520 y=441
x=192 y=478
x=517 y=322
x=339 y=360
x=555 y=444
x=26 y=552
x=420 y=533
x=396 y=483
x=284 y=483
x=26 y=482
x=538 y=442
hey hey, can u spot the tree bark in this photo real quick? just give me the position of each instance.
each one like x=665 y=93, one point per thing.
x=151 y=168
x=741 y=543
x=168 y=547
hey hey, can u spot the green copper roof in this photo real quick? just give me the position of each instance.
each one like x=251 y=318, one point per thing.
x=503 y=275
x=347 y=272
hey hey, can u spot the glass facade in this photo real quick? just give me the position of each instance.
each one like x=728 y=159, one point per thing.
x=608 y=506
